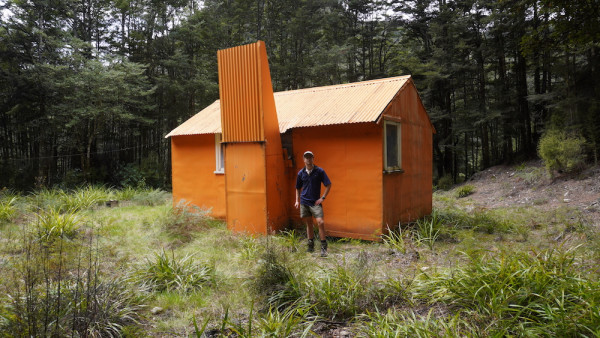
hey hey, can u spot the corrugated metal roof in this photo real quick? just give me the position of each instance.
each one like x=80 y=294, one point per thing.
x=338 y=104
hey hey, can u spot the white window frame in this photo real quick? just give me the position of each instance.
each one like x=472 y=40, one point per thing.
x=386 y=167
x=219 y=155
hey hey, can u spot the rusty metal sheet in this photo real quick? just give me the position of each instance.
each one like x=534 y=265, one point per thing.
x=338 y=104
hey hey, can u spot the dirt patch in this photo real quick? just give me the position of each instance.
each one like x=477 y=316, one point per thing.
x=530 y=186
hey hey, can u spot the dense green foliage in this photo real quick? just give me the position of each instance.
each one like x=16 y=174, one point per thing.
x=561 y=152
x=88 y=89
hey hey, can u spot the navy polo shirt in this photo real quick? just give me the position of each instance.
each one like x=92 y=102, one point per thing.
x=311 y=184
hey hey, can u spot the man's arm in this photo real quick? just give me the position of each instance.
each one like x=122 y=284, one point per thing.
x=320 y=200
x=297 y=204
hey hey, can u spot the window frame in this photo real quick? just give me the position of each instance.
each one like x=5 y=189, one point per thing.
x=386 y=167
x=219 y=155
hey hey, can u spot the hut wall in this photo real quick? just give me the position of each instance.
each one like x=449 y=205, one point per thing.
x=351 y=156
x=408 y=194
x=193 y=167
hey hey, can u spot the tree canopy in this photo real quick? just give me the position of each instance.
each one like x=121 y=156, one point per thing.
x=89 y=88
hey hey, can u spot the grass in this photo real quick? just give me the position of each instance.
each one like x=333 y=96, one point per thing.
x=462 y=271
x=170 y=273
x=465 y=190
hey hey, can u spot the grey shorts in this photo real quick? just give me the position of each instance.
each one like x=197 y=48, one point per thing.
x=314 y=211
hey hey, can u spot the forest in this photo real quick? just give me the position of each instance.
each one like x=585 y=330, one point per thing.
x=89 y=88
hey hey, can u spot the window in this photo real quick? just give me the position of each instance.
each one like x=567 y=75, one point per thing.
x=392 y=146
x=219 y=155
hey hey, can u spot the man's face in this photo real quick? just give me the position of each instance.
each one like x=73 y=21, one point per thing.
x=308 y=160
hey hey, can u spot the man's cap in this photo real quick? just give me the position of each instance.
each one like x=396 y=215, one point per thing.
x=308 y=153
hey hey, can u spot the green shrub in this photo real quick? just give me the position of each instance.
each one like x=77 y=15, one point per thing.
x=82 y=198
x=52 y=224
x=275 y=280
x=560 y=151
x=127 y=193
x=183 y=221
x=291 y=239
x=151 y=197
x=395 y=240
x=465 y=190
x=165 y=273
x=445 y=182
x=291 y=322
x=427 y=230
x=7 y=209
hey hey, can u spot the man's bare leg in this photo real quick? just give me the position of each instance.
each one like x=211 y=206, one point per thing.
x=310 y=233
x=321 y=225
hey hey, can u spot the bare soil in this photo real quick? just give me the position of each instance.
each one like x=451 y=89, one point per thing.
x=530 y=185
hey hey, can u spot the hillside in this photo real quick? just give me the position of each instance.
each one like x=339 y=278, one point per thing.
x=528 y=185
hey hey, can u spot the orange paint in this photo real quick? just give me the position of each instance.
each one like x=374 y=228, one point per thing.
x=255 y=184
x=408 y=195
x=257 y=191
x=194 y=180
x=351 y=156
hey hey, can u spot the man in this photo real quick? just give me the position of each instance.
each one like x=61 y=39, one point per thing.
x=310 y=201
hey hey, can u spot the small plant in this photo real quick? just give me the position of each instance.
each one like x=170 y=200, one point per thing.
x=291 y=239
x=395 y=240
x=560 y=151
x=290 y=322
x=165 y=273
x=344 y=291
x=275 y=280
x=127 y=193
x=52 y=224
x=465 y=190
x=151 y=197
x=7 y=209
x=427 y=231
x=250 y=247
x=183 y=221
x=82 y=198
x=445 y=182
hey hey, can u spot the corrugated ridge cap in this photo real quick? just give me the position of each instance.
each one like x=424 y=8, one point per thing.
x=342 y=86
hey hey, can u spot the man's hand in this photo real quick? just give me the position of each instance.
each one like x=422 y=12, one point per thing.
x=297 y=205
x=319 y=201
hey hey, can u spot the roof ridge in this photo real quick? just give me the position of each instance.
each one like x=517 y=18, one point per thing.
x=343 y=85
x=337 y=86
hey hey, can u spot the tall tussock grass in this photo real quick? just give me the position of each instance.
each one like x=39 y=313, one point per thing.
x=339 y=293
x=59 y=291
x=520 y=294
x=174 y=274
x=52 y=224
x=7 y=208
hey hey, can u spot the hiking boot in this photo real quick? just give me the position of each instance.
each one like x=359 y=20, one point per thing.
x=323 y=248
x=311 y=246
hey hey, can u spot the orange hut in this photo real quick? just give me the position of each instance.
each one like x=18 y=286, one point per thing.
x=240 y=155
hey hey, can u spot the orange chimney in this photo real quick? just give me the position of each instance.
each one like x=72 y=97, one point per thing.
x=255 y=184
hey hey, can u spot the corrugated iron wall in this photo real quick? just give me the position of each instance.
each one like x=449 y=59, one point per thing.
x=255 y=184
x=240 y=88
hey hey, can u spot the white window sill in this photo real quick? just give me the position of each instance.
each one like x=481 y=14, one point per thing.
x=217 y=172
x=393 y=170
